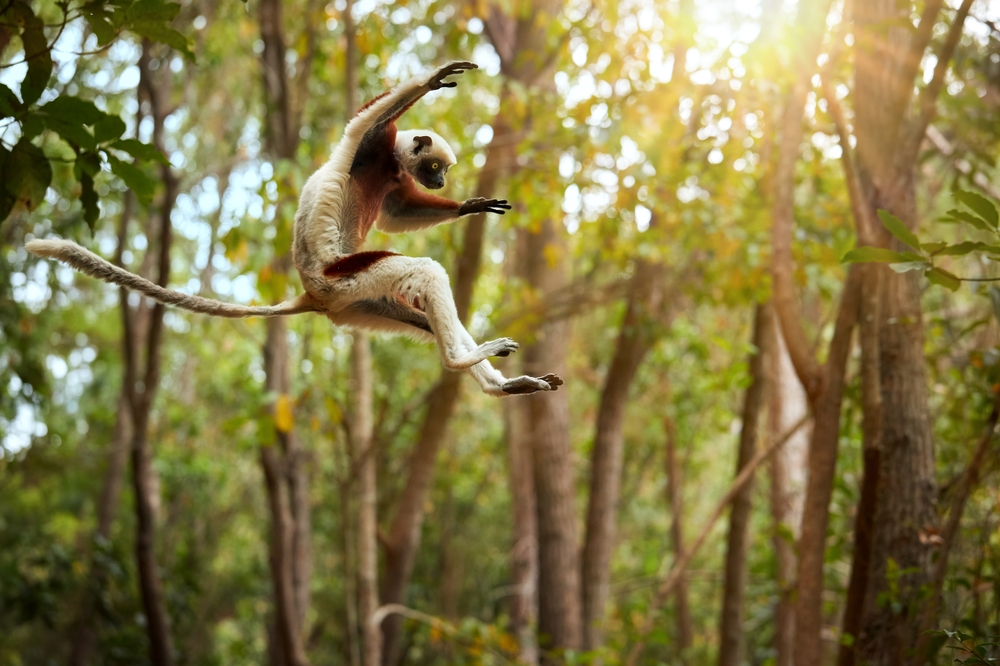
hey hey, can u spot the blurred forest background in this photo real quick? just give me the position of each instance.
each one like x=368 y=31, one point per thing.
x=756 y=237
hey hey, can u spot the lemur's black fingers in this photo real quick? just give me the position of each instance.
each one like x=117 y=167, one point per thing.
x=438 y=79
x=554 y=381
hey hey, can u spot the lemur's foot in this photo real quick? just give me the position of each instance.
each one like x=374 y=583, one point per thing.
x=525 y=385
x=437 y=80
x=500 y=347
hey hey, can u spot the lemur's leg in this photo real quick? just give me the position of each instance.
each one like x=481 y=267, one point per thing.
x=382 y=275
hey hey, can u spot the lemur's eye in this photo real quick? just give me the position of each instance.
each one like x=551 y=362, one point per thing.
x=435 y=166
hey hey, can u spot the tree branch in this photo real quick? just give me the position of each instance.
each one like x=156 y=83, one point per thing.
x=927 y=102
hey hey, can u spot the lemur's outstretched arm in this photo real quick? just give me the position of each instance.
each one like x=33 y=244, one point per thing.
x=409 y=209
x=373 y=118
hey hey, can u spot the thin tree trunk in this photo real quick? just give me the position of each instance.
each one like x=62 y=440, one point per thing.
x=348 y=544
x=362 y=425
x=787 y=405
x=141 y=401
x=559 y=597
x=285 y=469
x=675 y=498
x=85 y=633
x=275 y=459
x=819 y=487
x=737 y=541
x=635 y=339
x=362 y=428
x=864 y=521
x=524 y=550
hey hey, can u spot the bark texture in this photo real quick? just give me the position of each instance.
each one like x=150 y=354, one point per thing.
x=737 y=540
x=890 y=127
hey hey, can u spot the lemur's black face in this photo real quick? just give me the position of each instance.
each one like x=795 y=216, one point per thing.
x=430 y=172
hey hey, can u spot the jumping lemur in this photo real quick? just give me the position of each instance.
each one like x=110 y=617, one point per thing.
x=369 y=180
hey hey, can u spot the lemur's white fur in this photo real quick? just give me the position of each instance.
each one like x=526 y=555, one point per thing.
x=378 y=291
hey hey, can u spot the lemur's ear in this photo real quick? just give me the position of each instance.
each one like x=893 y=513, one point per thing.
x=422 y=142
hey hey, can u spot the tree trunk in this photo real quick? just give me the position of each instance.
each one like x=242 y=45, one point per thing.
x=276 y=457
x=559 y=598
x=524 y=550
x=364 y=458
x=141 y=399
x=864 y=521
x=84 y=640
x=675 y=498
x=787 y=405
x=635 y=339
x=731 y=622
x=285 y=469
x=819 y=488
x=890 y=126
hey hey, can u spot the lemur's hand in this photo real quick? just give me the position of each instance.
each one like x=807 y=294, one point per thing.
x=481 y=205
x=437 y=79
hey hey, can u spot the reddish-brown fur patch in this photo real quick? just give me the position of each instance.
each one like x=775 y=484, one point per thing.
x=355 y=263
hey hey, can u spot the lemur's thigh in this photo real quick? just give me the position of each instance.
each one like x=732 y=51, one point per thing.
x=421 y=283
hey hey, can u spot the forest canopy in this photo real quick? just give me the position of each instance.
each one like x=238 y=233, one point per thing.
x=758 y=239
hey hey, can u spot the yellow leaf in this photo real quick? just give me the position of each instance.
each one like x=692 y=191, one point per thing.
x=283 y=419
x=435 y=635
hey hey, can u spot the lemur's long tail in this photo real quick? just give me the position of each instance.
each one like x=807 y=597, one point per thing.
x=87 y=262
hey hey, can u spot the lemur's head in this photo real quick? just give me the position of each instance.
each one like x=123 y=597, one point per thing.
x=425 y=156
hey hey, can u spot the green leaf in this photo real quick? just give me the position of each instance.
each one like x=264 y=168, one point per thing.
x=134 y=178
x=151 y=18
x=866 y=254
x=32 y=126
x=933 y=248
x=898 y=229
x=36 y=53
x=962 y=248
x=9 y=104
x=88 y=197
x=165 y=35
x=28 y=174
x=88 y=164
x=101 y=21
x=941 y=277
x=75 y=135
x=69 y=109
x=140 y=150
x=907 y=266
x=982 y=206
x=109 y=127
x=962 y=216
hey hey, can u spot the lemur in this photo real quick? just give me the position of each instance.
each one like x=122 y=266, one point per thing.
x=368 y=180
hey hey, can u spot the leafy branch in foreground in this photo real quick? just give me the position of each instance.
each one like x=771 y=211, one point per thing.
x=93 y=135
x=982 y=215
x=979 y=653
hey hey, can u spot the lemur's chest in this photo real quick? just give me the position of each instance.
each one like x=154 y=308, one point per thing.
x=369 y=188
